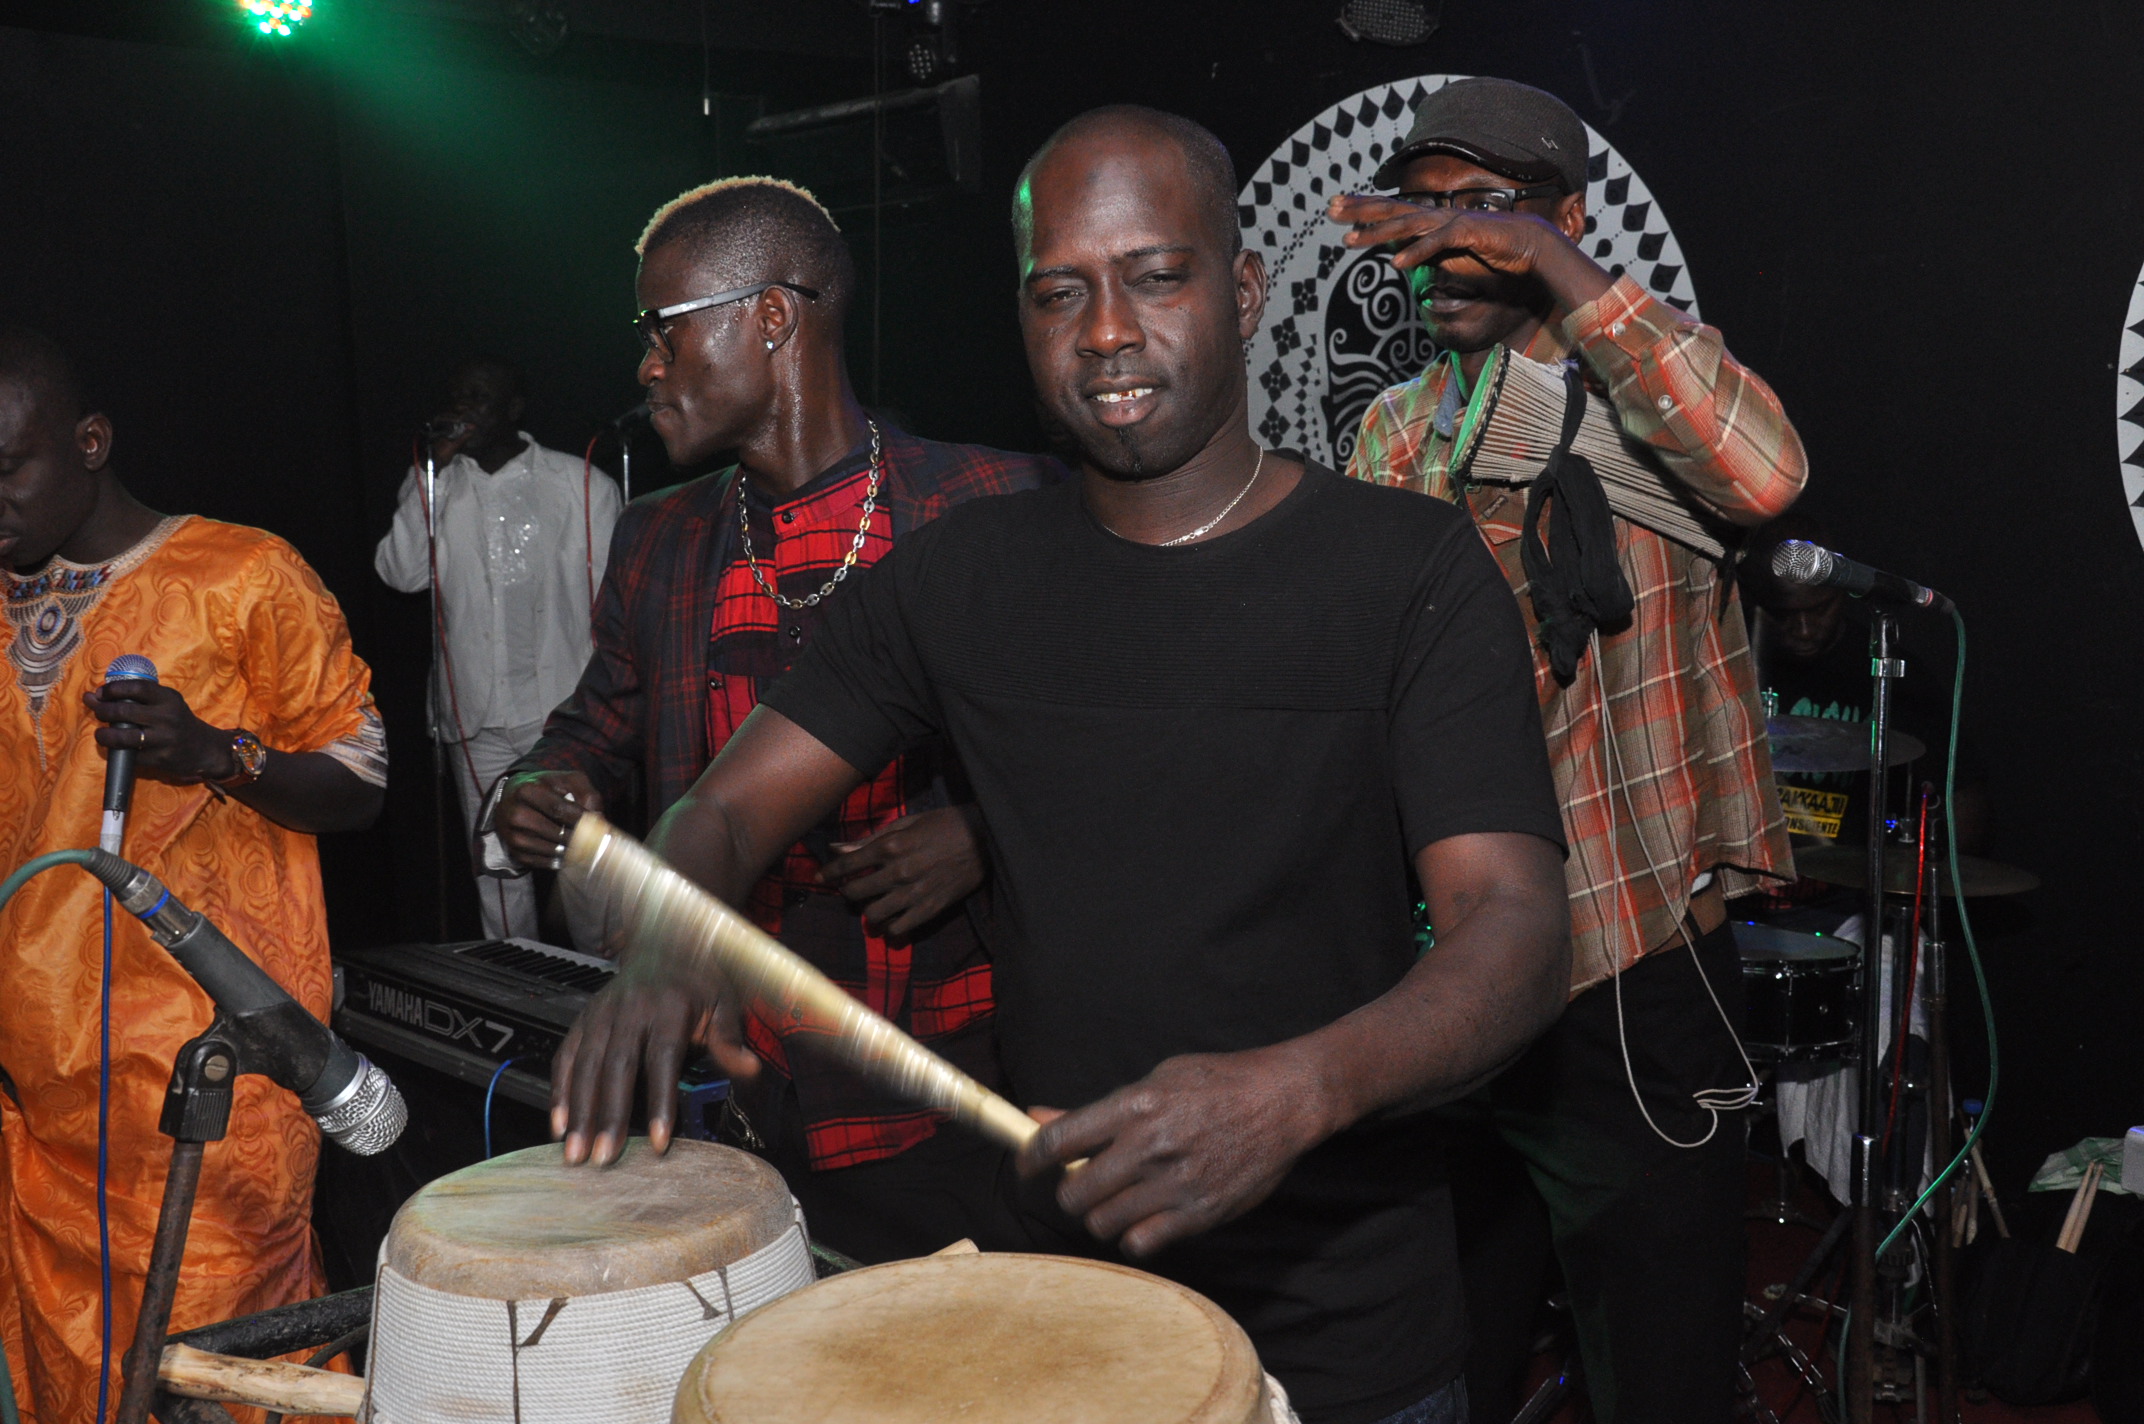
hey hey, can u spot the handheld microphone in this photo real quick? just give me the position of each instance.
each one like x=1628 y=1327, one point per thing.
x=353 y=1102
x=632 y=417
x=1800 y=562
x=119 y=761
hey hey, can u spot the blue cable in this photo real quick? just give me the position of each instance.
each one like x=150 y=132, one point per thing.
x=496 y=1074
x=104 y=1158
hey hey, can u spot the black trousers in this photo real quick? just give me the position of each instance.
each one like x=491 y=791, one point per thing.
x=946 y=1187
x=1555 y=1158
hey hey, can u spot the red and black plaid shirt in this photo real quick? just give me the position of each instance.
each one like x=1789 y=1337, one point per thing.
x=684 y=641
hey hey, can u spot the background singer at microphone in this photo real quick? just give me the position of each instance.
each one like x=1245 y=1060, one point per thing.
x=260 y=735
x=523 y=537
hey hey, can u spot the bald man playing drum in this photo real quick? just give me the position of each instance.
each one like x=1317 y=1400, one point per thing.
x=1223 y=711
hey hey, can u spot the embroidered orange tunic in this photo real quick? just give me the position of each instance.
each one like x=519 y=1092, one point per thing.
x=238 y=623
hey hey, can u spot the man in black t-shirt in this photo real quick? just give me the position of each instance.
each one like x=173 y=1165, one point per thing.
x=1219 y=709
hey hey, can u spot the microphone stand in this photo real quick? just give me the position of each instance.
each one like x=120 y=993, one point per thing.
x=1859 y=1384
x=431 y=691
x=197 y=1111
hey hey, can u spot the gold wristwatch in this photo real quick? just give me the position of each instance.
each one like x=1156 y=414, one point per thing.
x=251 y=757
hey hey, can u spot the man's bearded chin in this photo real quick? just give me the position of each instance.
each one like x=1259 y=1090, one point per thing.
x=1119 y=454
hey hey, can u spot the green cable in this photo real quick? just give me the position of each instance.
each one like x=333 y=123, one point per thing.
x=8 y=887
x=1972 y=951
x=43 y=863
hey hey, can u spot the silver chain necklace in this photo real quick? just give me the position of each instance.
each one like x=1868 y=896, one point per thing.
x=1212 y=524
x=856 y=545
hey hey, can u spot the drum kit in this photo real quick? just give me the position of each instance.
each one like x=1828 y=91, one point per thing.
x=1803 y=990
x=1811 y=1008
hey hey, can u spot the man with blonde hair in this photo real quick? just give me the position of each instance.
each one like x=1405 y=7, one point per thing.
x=714 y=588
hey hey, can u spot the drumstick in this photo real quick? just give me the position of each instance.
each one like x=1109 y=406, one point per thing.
x=1987 y=1189
x=265 y=1384
x=663 y=907
x=2099 y=1174
x=2080 y=1208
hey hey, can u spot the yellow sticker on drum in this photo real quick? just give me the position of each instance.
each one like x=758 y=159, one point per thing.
x=1811 y=812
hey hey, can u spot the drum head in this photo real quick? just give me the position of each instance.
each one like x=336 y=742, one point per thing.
x=982 y=1339
x=1763 y=942
x=525 y=1224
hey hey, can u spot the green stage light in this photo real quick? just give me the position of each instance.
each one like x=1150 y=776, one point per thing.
x=277 y=17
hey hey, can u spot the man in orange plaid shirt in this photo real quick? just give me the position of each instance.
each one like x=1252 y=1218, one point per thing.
x=1625 y=1115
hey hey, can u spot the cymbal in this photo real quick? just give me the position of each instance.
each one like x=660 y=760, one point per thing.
x=1805 y=744
x=1849 y=865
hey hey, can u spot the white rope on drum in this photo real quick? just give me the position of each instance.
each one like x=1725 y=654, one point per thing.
x=608 y=1358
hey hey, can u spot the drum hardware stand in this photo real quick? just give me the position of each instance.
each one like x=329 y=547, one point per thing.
x=1944 y=1266
x=1859 y=1384
x=1765 y=1331
x=197 y=1111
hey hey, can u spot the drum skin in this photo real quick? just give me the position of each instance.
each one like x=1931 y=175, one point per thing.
x=526 y=1224
x=982 y=1339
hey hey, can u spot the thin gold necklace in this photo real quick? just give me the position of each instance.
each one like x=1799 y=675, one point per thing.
x=1210 y=525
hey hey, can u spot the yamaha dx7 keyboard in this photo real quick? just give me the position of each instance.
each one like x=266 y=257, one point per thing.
x=471 y=1009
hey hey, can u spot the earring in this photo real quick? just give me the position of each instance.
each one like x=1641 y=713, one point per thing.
x=770 y=346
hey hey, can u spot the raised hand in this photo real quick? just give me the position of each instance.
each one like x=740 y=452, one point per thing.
x=1472 y=243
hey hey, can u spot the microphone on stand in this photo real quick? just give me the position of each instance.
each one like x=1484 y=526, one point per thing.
x=119 y=761
x=1798 y=561
x=354 y=1103
x=622 y=427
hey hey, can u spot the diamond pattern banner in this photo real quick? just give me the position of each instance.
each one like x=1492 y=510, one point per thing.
x=2128 y=406
x=1340 y=326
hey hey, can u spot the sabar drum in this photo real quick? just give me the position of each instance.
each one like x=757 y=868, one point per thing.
x=521 y=1289
x=983 y=1339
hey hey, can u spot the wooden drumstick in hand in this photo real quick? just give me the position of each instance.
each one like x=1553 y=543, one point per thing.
x=657 y=906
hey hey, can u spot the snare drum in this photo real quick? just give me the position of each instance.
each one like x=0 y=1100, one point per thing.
x=983 y=1339
x=1801 y=992
x=524 y=1289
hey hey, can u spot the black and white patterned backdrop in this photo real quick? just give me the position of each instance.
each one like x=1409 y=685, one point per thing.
x=2129 y=406
x=1341 y=326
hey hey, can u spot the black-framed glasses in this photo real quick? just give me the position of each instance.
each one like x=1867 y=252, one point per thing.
x=1481 y=200
x=653 y=323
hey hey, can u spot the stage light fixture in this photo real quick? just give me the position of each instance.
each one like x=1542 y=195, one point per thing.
x=1390 y=22
x=277 y=17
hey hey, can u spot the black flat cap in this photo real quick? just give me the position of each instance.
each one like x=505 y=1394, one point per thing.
x=1509 y=128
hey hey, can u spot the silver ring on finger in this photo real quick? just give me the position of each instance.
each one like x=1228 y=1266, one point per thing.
x=558 y=862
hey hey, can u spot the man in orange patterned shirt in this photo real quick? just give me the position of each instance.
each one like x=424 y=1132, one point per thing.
x=260 y=736
x=1625 y=1112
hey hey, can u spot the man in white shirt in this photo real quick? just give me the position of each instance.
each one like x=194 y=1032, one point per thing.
x=523 y=533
